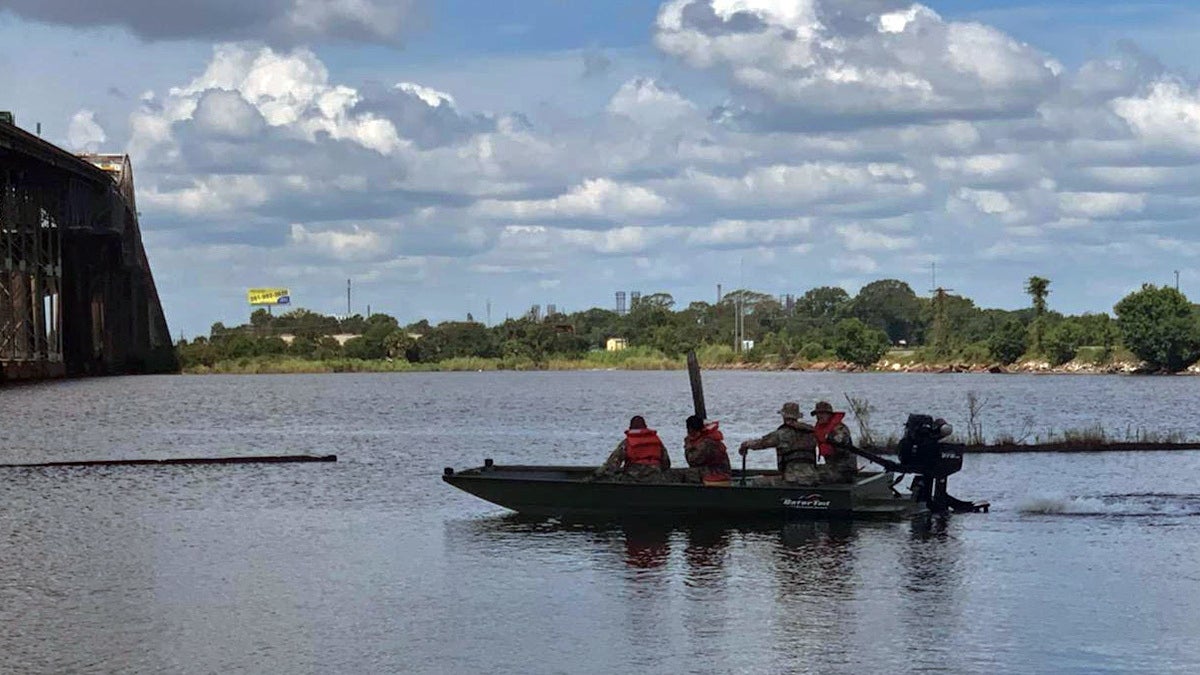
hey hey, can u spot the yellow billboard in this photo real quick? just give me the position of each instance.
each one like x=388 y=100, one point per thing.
x=268 y=296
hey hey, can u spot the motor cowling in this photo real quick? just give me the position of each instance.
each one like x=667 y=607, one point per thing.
x=922 y=453
x=921 y=444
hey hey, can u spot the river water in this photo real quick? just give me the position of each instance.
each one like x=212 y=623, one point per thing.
x=1087 y=563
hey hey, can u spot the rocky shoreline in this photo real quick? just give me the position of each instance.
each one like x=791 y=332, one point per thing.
x=885 y=366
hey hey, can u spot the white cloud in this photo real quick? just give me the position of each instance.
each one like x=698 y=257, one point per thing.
x=746 y=234
x=430 y=96
x=858 y=238
x=1167 y=115
x=594 y=198
x=990 y=202
x=226 y=113
x=1013 y=250
x=984 y=168
x=646 y=102
x=84 y=133
x=1100 y=204
x=211 y=195
x=854 y=262
x=907 y=63
x=799 y=187
x=355 y=244
x=291 y=92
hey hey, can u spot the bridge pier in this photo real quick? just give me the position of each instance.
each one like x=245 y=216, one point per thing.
x=77 y=296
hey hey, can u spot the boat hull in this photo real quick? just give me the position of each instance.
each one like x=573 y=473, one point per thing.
x=569 y=492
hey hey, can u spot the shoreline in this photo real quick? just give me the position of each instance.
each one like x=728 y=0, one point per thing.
x=268 y=366
x=1081 y=447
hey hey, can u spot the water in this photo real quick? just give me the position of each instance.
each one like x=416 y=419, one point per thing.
x=1086 y=564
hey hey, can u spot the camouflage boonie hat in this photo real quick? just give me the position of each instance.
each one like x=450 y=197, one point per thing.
x=791 y=410
x=823 y=406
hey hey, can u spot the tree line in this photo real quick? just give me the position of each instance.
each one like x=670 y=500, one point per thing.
x=1157 y=325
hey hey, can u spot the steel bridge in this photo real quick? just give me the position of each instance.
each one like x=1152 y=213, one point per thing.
x=76 y=293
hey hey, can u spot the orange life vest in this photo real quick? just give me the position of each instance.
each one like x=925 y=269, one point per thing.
x=642 y=446
x=715 y=469
x=823 y=430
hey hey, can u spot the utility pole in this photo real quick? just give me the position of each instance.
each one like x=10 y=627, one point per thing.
x=1176 y=280
x=489 y=312
x=347 y=298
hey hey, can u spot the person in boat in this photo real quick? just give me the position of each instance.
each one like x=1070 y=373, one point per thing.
x=795 y=447
x=835 y=463
x=706 y=454
x=640 y=456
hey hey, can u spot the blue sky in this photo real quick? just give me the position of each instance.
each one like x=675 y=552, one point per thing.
x=448 y=154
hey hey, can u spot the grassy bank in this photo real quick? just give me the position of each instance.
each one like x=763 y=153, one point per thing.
x=629 y=359
x=645 y=358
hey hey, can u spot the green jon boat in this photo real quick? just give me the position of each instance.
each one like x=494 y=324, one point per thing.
x=571 y=491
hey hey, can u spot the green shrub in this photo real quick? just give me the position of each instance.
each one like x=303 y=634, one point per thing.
x=976 y=352
x=812 y=351
x=1159 y=325
x=716 y=355
x=858 y=343
x=1008 y=343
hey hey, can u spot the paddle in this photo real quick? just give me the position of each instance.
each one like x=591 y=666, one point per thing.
x=743 y=481
x=693 y=365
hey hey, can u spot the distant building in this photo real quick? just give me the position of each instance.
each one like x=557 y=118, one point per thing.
x=616 y=344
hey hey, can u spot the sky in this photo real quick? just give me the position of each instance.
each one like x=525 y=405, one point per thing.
x=457 y=155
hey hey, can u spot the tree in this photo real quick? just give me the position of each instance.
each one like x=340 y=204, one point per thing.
x=302 y=347
x=272 y=346
x=354 y=324
x=327 y=348
x=1007 y=344
x=363 y=348
x=889 y=305
x=458 y=339
x=260 y=318
x=301 y=321
x=1099 y=330
x=1038 y=288
x=949 y=318
x=1063 y=341
x=398 y=345
x=663 y=300
x=1159 y=325
x=822 y=304
x=859 y=343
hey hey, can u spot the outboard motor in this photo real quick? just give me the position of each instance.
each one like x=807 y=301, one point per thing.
x=923 y=454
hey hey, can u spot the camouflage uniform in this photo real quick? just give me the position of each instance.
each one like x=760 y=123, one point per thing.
x=616 y=469
x=705 y=456
x=795 y=447
x=842 y=465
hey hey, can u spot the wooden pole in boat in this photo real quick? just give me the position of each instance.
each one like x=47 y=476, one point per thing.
x=697 y=386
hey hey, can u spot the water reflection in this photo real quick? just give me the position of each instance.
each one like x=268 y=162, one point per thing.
x=646 y=546
x=813 y=595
